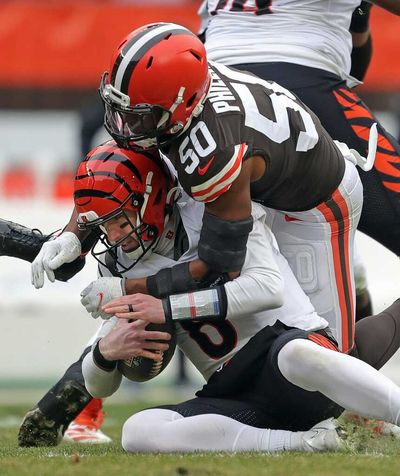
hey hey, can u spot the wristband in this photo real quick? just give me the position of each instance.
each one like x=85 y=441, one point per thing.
x=101 y=361
x=208 y=304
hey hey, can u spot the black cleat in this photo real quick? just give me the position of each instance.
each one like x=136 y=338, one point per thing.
x=45 y=426
x=24 y=243
x=19 y=241
x=37 y=430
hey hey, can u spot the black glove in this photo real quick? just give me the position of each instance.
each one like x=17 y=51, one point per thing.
x=24 y=243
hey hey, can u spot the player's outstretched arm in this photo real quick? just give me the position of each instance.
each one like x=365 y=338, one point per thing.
x=18 y=241
x=258 y=287
x=227 y=222
x=361 y=53
x=64 y=249
x=125 y=339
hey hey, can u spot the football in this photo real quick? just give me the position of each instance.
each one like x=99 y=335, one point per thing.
x=141 y=369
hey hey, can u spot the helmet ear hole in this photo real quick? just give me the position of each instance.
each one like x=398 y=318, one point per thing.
x=196 y=55
x=152 y=232
x=137 y=200
x=150 y=62
x=191 y=100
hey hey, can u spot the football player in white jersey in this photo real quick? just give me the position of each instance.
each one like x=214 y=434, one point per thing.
x=45 y=423
x=255 y=397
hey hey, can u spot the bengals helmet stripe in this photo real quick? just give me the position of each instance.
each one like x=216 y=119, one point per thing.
x=95 y=193
x=136 y=48
x=108 y=174
x=115 y=157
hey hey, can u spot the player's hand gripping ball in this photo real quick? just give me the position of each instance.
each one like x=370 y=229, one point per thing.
x=142 y=369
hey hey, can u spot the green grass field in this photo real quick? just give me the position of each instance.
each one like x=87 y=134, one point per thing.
x=367 y=455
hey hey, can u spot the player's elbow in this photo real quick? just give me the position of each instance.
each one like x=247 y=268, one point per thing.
x=99 y=383
x=142 y=433
x=98 y=391
x=103 y=386
x=277 y=300
x=274 y=288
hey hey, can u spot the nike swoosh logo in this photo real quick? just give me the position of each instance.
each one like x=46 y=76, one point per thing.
x=203 y=170
x=289 y=218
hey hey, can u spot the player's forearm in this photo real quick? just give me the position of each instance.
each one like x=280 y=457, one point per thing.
x=137 y=285
x=260 y=285
x=198 y=270
x=99 y=383
x=72 y=226
x=360 y=39
x=360 y=58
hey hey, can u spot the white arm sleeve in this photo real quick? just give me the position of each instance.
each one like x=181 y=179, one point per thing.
x=260 y=284
x=99 y=383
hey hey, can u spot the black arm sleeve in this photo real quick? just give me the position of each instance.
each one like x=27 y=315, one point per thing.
x=223 y=243
x=360 y=59
x=360 y=18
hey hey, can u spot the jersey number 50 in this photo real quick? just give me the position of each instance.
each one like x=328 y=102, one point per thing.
x=202 y=144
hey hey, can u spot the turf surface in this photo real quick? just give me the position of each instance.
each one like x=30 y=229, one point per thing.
x=366 y=455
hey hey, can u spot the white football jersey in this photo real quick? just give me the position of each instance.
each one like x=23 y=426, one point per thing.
x=312 y=33
x=265 y=280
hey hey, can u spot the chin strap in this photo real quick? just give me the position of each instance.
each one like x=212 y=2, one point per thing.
x=147 y=191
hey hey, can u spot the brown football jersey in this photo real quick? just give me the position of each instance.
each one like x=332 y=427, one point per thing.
x=244 y=116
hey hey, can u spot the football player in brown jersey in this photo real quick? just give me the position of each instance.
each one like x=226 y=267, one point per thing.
x=233 y=137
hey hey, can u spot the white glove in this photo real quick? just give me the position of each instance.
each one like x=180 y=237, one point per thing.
x=54 y=253
x=100 y=292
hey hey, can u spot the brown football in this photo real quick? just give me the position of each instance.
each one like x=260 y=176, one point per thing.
x=141 y=369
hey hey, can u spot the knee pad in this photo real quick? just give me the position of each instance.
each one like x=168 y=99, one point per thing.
x=144 y=432
x=299 y=357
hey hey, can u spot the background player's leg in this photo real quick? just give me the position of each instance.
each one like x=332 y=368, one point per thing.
x=363 y=297
x=377 y=337
x=46 y=422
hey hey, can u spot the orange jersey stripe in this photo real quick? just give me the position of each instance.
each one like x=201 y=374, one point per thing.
x=199 y=193
x=341 y=262
x=322 y=341
x=346 y=239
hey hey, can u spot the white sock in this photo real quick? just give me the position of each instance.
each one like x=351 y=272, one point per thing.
x=161 y=430
x=351 y=383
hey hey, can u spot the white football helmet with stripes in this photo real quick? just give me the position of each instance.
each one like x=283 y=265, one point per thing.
x=157 y=81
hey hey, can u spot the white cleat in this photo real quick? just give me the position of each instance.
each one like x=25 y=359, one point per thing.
x=76 y=433
x=323 y=436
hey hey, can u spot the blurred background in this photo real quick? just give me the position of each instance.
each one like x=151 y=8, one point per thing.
x=52 y=54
